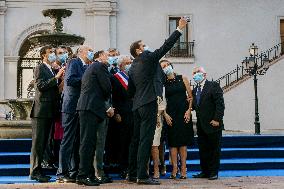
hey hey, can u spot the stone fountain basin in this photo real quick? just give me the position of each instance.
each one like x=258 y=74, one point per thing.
x=20 y=127
x=15 y=129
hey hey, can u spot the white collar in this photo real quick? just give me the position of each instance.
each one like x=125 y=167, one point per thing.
x=202 y=83
x=48 y=65
x=84 y=63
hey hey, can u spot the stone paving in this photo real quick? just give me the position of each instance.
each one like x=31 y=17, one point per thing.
x=222 y=183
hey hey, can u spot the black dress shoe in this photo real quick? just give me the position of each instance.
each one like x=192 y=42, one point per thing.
x=213 y=177
x=148 y=182
x=65 y=179
x=201 y=175
x=105 y=179
x=131 y=179
x=40 y=178
x=87 y=182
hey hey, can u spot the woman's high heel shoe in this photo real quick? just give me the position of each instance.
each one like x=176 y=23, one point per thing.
x=172 y=176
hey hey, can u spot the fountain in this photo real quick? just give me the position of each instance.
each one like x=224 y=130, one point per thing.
x=18 y=124
x=56 y=37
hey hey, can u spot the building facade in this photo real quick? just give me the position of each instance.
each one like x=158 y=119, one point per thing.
x=218 y=36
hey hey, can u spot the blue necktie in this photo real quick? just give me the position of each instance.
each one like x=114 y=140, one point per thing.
x=85 y=66
x=198 y=94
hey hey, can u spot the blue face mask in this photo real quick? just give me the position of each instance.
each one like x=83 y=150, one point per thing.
x=90 y=56
x=112 y=60
x=168 y=70
x=63 y=57
x=52 y=57
x=127 y=67
x=198 y=77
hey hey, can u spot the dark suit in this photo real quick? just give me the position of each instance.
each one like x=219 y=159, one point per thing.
x=69 y=155
x=44 y=109
x=119 y=134
x=211 y=107
x=95 y=92
x=145 y=84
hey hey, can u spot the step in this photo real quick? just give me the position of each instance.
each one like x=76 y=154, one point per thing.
x=228 y=141
x=233 y=173
x=239 y=164
x=228 y=153
x=20 y=170
x=192 y=165
x=192 y=154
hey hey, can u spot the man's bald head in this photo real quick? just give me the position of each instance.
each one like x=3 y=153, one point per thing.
x=83 y=53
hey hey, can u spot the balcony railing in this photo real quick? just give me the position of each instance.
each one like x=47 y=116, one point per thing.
x=182 y=49
x=239 y=72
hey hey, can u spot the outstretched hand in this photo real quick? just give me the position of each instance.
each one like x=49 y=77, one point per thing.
x=182 y=23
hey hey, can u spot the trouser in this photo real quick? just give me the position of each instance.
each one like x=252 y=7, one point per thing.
x=102 y=128
x=69 y=148
x=125 y=134
x=40 y=131
x=145 y=120
x=209 y=151
x=48 y=154
x=88 y=137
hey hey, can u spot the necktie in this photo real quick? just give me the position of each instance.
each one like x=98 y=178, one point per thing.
x=198 y=94
x=85 y=66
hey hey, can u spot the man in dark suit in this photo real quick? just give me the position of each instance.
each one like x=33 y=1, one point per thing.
x=208 y=102
x=120 y=133
x=145 y=85
x=93 y=110
x=44 y=110
x=69 y=155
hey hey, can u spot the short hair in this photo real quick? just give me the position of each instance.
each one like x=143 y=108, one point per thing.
x=58 y=49
x=98 y=53
x=112 y=50
x=199 y=69
x=121 y=58
x=164 y=60
x=133 y=47
x=43 y=51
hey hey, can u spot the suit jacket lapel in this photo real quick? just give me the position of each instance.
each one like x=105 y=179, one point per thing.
x=204 y=90
x=48 y=70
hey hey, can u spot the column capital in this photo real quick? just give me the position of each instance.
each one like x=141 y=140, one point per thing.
x=3 y=8
x=11 y=59
x=101 y=7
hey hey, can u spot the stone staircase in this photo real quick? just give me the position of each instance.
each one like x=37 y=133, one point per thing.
x=238 y=75
x=241 y=153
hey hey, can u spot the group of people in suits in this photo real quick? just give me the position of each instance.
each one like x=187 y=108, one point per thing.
x=95 y=90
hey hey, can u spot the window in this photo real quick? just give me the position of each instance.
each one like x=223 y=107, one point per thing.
x=183 y=47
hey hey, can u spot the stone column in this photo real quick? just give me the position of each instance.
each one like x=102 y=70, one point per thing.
x=11 y=65
x=100 y=33
x=3 y=9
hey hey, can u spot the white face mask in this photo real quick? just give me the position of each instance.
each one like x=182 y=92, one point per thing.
x=168 y=70
x=198 y=77
x=127 y=67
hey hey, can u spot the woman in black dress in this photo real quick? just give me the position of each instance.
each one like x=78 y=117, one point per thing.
x=178 y=117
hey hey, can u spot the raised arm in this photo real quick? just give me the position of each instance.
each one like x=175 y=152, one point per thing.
x=169 y=43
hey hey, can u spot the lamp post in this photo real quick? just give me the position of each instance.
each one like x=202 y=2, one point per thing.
x=252 y=68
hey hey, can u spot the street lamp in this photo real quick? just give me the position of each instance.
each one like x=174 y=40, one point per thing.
x=252 y=68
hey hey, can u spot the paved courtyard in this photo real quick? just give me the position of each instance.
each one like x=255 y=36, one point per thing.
x=227 y=182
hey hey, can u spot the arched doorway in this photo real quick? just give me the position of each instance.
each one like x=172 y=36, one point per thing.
x=29 y=58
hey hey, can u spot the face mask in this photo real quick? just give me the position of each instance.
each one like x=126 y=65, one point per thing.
x=90 y=56
x=52 y=57
x=168 y=70
x=112 y=60
x=127 y=67
x=147 y=48
x=63 y=57
x=198 y=77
